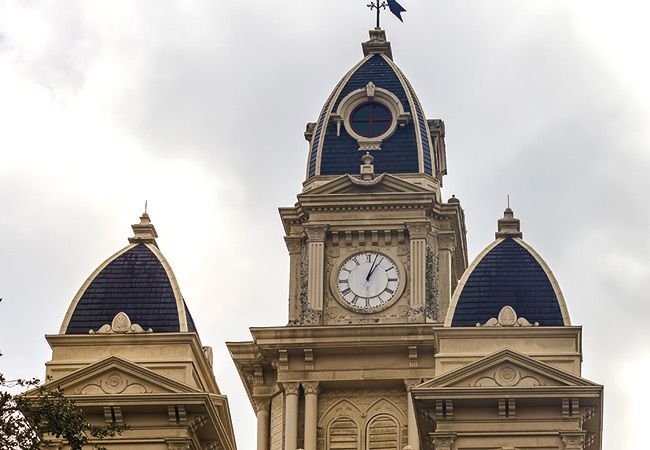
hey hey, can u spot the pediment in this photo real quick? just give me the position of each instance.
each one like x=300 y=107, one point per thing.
x=506 y=368
x=352 y=184
x=116 y=376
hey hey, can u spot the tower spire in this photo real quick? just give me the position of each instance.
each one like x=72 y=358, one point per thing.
x=508 y=225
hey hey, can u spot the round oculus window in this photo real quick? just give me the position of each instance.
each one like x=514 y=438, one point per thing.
x=371 y=119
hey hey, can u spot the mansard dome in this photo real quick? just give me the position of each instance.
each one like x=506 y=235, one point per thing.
x=135 y=286
x=399 y=136
x=508 y=275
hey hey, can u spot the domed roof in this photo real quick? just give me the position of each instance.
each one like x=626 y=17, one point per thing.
x=407 y=148
x=508 y=278
x=135 y=286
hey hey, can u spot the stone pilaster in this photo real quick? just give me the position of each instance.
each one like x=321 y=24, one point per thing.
x=294 y=246
x=316 y=254
x=291 y=415
x=413 y=436
x=446 y=248
x=311 y=414
x=418 y=232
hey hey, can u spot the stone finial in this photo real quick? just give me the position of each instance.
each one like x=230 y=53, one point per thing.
x=508 y=318
x=121 y=324
x=377 y=44
x=144 y=232
x=508 y=225
x=367 y=168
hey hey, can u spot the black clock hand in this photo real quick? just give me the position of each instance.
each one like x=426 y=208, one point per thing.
x=371 y=268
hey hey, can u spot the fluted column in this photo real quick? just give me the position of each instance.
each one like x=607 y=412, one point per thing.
x=417 y=236
x=262 y=411
x=291 y=416
x=316 y=253
x=311 y=414
x=413 y=437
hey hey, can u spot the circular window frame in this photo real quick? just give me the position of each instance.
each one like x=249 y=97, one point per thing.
x=371 y=93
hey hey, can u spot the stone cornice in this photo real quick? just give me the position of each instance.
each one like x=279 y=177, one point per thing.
x=459 y=393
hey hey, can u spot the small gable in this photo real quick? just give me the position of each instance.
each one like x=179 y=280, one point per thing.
x=116 y=376
x=506 y=368
x=382 y=183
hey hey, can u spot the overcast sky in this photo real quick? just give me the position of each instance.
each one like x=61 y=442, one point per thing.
x=199 y=107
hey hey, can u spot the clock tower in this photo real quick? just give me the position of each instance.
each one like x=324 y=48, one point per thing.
x=392 y=341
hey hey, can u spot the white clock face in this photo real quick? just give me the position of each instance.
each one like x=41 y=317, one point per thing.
x=368 y=280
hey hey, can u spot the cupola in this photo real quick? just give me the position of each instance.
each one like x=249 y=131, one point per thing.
x=374 y=109
x=508 y=284
x=133 y=291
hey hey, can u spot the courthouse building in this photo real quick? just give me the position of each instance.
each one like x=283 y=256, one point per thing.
x=394 y=339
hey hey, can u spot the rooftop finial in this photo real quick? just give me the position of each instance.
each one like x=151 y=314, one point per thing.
x=508 y=225
x=367 y=168
x=144 y=232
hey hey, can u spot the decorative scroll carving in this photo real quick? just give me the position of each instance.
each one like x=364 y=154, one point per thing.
x=507 y=376
x=294 y=244
x=443 y=441
x=371 y=182
x=316 y=233
x=508 y=318
x=114 y=383
x=121 y=325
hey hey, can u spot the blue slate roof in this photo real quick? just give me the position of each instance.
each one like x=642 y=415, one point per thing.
x=508 y=275
x=399 y=153
x=135 y=283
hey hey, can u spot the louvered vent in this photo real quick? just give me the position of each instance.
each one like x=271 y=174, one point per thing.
x=383 y=433
x=343 y=435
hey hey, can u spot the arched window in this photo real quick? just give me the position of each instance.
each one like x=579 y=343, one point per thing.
x=383 y=433
x=343 y=434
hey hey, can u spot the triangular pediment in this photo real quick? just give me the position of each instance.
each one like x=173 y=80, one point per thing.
x=506 y=368
x=116 y=376
x=352 y=184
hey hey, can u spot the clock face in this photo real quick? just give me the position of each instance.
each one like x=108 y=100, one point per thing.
x=368 y=280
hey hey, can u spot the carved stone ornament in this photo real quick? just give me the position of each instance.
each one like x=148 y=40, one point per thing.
x=443 y=441
x=316 y=233
x=508 y=318
x=573 y=440
x=369 y=182
x=291 y=388
x=294 y=244
x=418 y=230
x=310 y=387
x=121 y=325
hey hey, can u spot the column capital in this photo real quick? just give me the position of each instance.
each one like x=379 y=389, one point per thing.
x=311 y=387
x=262 y=404
x=447 y=241
x=573 y=440
x=294 y=244
x=442 y=441
x=316 y=233
x=418 y=230
x=291 y=388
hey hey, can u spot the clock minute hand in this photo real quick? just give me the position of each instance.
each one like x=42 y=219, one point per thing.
x=372 y=269
x=372 y=266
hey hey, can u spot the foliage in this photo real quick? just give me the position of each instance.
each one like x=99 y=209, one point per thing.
x=28 y=420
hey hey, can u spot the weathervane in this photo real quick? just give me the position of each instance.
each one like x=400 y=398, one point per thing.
x=392 y=5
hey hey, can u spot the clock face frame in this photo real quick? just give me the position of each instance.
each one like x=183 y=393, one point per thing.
x=368 y=281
